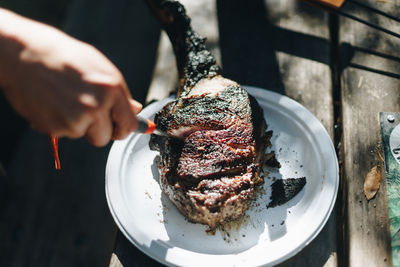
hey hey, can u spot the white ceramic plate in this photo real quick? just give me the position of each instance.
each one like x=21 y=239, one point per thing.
x=265 y=236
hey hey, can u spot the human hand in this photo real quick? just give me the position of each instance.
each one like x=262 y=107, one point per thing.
x=62 y=86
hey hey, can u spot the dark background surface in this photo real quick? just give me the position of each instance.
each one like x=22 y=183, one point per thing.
x=50 y=218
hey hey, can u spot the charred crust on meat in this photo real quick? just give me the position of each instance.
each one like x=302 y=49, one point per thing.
x=211 y=176
x=271 y=161
x=284 y=190
x=193 y=59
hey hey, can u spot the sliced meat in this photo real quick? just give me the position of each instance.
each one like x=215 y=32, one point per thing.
x=211 y=175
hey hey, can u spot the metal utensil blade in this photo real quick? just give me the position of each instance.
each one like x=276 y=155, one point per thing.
x=162 y=133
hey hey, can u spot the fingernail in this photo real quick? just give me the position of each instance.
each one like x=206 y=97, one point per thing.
x=137 y=106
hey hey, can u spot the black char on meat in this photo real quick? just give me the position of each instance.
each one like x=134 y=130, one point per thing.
x=212 y=174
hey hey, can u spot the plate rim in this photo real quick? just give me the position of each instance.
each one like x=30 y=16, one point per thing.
x=256 y=92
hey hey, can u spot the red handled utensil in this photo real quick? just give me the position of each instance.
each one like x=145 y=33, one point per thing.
x=145 y=126
x=54 y=145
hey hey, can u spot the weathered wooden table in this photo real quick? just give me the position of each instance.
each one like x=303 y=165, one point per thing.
x=344 y=72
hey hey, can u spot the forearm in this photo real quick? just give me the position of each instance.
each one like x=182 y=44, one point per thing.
x=24 y=41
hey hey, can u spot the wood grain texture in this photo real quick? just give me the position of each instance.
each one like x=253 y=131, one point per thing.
x=301 y=42
x=368 y=86
x=114 y=262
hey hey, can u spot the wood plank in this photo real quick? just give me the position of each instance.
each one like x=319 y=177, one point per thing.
x=115 y=262
x=126 y=254
x=306 y=75
x=165 y=76
x=368 y=87
x=289 y=53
